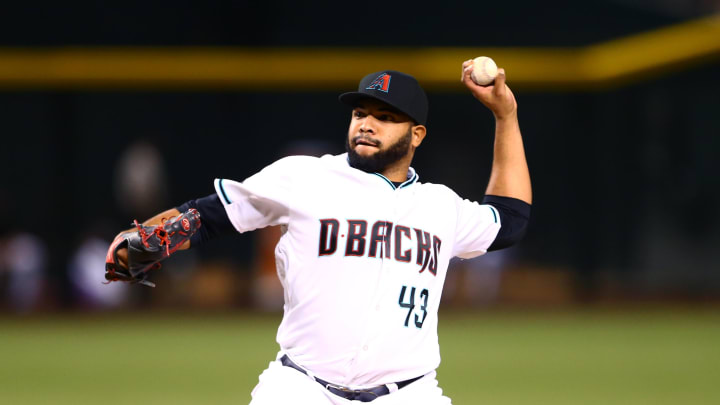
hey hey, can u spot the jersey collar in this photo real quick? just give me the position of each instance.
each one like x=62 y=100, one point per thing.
x=412 y=178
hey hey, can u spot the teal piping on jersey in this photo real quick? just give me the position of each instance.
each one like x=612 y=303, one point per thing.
x=222 y=191
x=495 y=214
x=412 y=180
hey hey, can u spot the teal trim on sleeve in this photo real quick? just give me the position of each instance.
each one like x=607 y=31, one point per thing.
x=222 y=191
x=495 y=215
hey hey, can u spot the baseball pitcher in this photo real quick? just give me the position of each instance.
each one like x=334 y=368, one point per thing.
x=365 y=246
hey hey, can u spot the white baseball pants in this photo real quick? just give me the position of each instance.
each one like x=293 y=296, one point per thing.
x=284 y=385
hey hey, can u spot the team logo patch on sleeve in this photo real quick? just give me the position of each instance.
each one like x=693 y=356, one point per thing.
x=381 y=83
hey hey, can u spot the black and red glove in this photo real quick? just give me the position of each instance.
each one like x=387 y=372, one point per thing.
x=148 y=246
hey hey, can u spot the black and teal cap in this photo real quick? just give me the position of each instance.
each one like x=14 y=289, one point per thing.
x=400 y=90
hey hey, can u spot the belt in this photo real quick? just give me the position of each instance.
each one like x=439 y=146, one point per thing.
x=365 y=395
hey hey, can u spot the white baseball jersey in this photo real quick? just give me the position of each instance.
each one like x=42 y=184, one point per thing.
x=362 y=262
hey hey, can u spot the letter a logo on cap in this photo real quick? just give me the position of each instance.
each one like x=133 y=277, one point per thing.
x=381 y=83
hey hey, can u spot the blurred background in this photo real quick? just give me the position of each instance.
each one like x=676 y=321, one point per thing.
x=110 y=113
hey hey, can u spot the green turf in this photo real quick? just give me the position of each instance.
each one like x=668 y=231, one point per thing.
x=656 y=357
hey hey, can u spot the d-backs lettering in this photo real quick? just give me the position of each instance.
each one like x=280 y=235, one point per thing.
x=399 y=242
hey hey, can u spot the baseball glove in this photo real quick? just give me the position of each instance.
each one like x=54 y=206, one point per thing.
x=148 y=246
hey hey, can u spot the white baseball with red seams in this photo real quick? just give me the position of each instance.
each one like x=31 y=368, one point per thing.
x=362 y=263
x=484 y=70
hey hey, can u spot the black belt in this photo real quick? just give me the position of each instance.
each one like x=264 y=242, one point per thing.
x=366 y=395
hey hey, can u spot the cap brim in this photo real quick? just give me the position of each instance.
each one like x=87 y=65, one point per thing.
x=351 y=98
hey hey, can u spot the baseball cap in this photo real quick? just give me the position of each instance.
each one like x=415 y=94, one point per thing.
x=397 y=89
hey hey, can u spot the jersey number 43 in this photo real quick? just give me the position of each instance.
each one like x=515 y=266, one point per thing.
x=411 y=305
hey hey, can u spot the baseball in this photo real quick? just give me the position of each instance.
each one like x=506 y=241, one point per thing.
x=484 y=70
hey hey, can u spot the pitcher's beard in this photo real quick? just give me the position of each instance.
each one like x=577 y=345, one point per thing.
x=378 y=161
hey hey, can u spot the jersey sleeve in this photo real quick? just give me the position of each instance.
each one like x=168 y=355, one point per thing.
x=263 y=199
x=477 y=226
